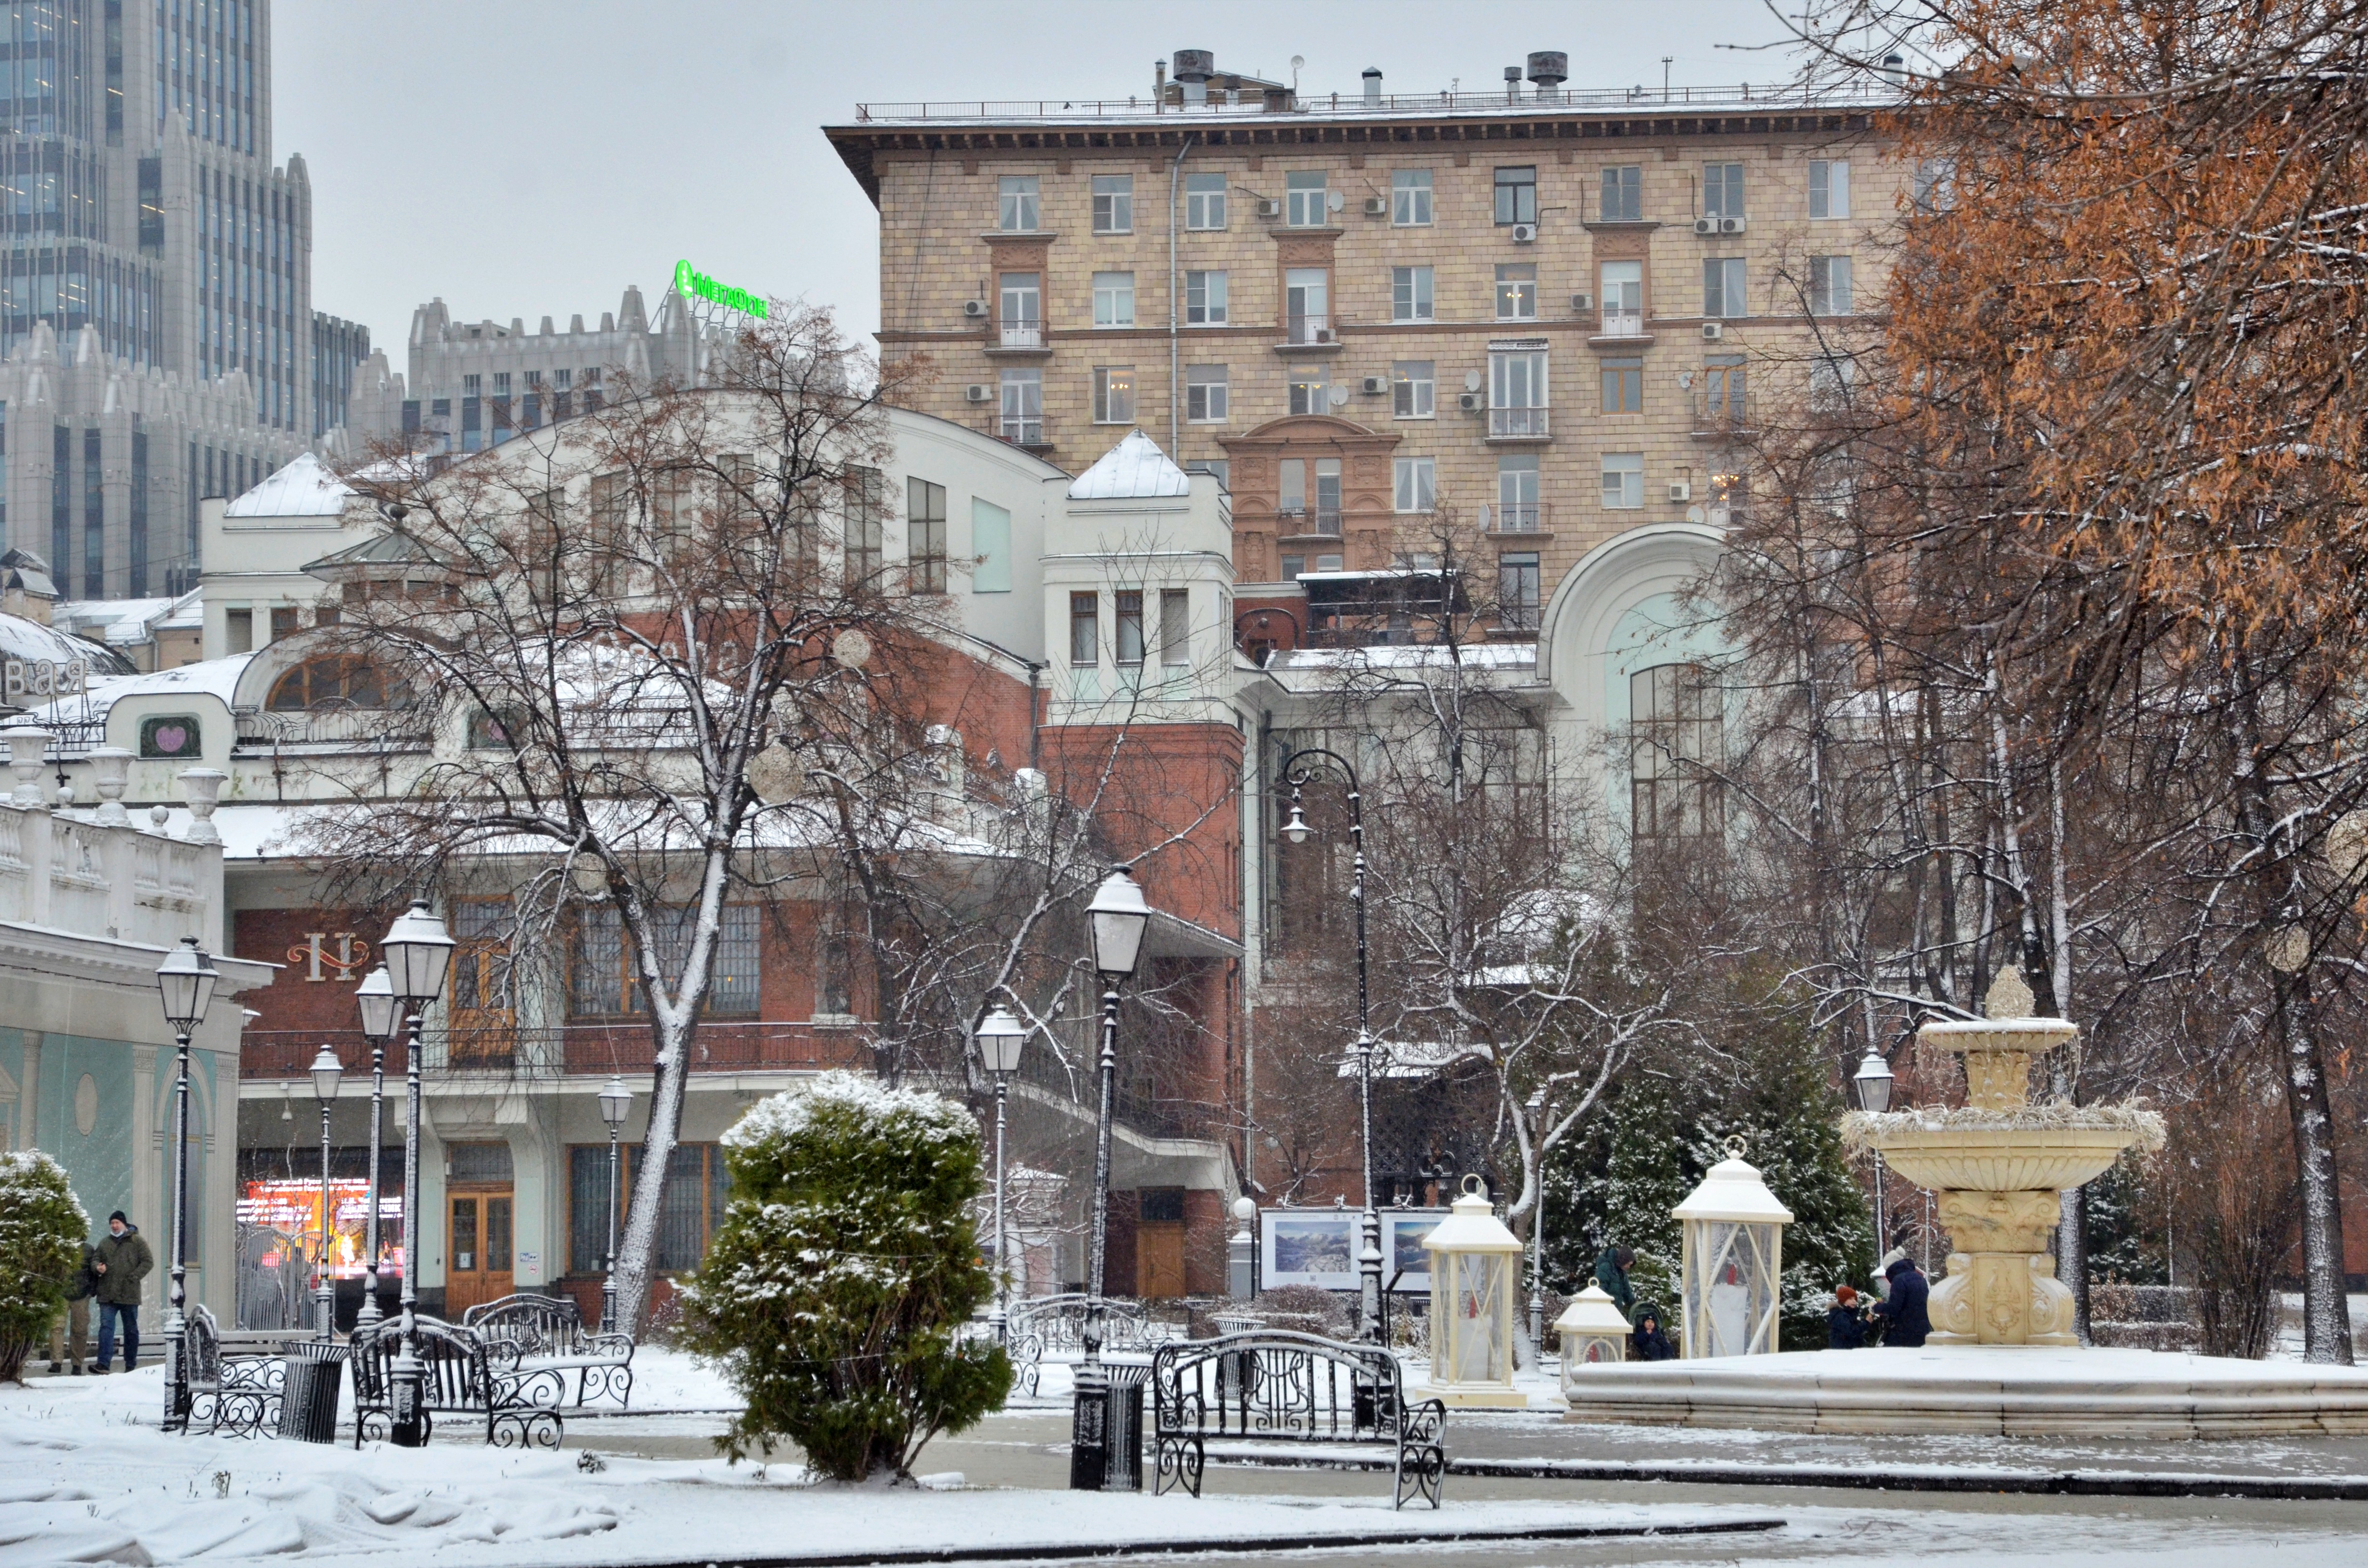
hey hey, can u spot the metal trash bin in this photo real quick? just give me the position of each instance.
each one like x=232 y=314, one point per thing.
x=313 y=1374
x=1122 y=1425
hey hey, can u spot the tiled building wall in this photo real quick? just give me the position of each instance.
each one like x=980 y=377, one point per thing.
x=940 y=248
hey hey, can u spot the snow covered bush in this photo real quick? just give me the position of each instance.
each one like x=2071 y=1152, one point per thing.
x=42 y=1227
x=844 y=1267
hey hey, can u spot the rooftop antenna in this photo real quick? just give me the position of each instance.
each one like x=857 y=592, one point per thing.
x=1297 y=61
x=1664 y=76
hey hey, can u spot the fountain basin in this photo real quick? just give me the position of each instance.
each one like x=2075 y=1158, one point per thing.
x=1983 y=1159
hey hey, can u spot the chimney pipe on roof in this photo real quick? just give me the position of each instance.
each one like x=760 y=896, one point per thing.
x=1373 y=83
x=1193 y=68
x=1512 y=83
x=1549 y=68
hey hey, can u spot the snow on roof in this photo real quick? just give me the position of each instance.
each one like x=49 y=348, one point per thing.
x=23 y=638
x=213 y=677
x=118 y=620
x=304 y=489
x=188 y=610
x=1133 y=469
x=1401 y=655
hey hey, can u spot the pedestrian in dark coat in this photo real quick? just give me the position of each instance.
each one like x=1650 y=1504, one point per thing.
x=1905 y=1321
x=1845 y=1326
x=1652 y=1344
x=1612 y=1273
x=122 y=1260
x=72 y=1329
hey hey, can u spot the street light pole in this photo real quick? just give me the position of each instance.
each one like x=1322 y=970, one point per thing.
x=1116 y=917
x=1369 y=1256
x=616 y=1102
x=375 y=999
x=1873 y=1083
x=1000 y=1038
x=416 y=949
x=327 y=1071
x=185 y=982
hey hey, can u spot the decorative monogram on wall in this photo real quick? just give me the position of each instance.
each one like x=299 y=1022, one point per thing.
x=350 y=955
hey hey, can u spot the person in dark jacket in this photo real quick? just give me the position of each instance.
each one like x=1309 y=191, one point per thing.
x=1905 y=1321
x=1845 y=1325
x=70 y=1331
x=1652 y=1344
x=122 y=1260
x=1612 y=1273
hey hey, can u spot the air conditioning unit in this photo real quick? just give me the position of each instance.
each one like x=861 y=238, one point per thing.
x=1682 y=490
x=975 y=308
x=1730 y=226
x=1471 y=403
x=1268 y=206
x=1377 y=206
x=1375 y=386
x=1712 y=331
x=1582 y=303
x=1323 y=335
x=1525 y=233
x=1706 y=225
x=978 y=391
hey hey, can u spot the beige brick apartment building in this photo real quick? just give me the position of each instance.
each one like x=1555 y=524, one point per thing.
x=1544 y=312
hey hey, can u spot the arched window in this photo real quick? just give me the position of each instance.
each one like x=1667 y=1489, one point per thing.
x=1677 y=742
x=335 y=680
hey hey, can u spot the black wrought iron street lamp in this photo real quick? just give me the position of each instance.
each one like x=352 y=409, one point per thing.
x=327 y=1072
x=1872 y=1082
x=1295 y=828
x=375 y=998
x=185 y=983
x=1000 y=1036
x=417 y=949
x=615 y=1103
x=1117 y=919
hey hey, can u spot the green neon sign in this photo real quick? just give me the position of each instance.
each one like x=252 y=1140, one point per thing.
x=688 y=280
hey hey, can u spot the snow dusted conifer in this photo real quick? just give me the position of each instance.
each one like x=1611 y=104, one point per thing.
x=845 y=1264
x=42 y=1227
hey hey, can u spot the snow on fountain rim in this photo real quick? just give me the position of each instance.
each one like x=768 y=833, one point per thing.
x=1948 y=1032
x=2144 y=1127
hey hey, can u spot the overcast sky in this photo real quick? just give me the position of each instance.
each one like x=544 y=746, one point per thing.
x=532 y=158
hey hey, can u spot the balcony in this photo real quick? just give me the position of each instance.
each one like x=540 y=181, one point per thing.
x=1514 y=517
x=342 y=726
x=1307 y=522
x=1518 y=425
x=1018 y=336
x=1621 y=323
x=1308 y=335
x=586 y=1050
x=1032 y=432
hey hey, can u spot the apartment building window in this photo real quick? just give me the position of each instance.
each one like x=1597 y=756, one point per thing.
x=1307 y=304
x=1517 y=195
x=698 y=1186
x=1722 y=387
x=1516 y=493
x=1291 y=492
x=1722 y=190
x=1019 y=204
x=1416 y=485
x=1623 y=298
x=1204 y=201
x=990 y=547
x=1930 y=188
x=1023 y=406
x=563 y=378
x=1327 y=495
x=1623 y=194
x=1310 y=393
x=1624 y=386
x=1829 y=286
x=924 y=538
x=1413 y=386
x=1516 y=291
x=501 y=383
x=1020 y=305
x=1516 y=590
x=864 y=498
x=1175 y=625
x=1677 y=731
x=1410 y=294
x=603 y=981
x=1114 y=394
x=1410 y=199
x=534 y=380
x=472 y=386
x=1830 y=376
x=1113 y=299
x=1623 y=481
x=1516 y=391
x=1828 y=189
x=1085 y=630
x=1204 y=299
x=1725 y=292
x=1206 y=395
x=1306 y=198
x=1127 y=611
x=1113 y=204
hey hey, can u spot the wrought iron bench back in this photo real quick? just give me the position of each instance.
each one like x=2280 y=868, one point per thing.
x=538 y=1325
x=459 y=1375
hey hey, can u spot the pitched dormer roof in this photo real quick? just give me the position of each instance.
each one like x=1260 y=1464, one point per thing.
x=303 y=489
x=1134 y=469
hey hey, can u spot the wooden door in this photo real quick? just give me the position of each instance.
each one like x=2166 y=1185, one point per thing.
x=476 y=1250
x=1159 y=1260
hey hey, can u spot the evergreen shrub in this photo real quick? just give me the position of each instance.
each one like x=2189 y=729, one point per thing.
x=42 y=1227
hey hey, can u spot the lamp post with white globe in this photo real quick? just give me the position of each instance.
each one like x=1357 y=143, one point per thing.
x=417 y=949
x=616 y=1102
x=327 y=1072
x=1116 y=917
x=185 y=983
x=1872 y=1082
x=1000 y=1038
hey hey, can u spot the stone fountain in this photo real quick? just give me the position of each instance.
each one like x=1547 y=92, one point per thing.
x=1999 y=1166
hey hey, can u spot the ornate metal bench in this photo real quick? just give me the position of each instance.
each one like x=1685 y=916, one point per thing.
x=232 y=1393
x=1274 y=1386
x=461 y=1378
x=1054 y=1327
x=534 y=1332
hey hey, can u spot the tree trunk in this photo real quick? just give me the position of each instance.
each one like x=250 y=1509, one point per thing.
x=637 y=1248
x=2325 y=1312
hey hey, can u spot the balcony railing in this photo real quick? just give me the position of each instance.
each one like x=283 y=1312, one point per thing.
x=1622 y=324
x=1011 y=334
x=1758 y=96
x=1724 y=413
x=1307 y=331
x=1325 y=521
x=1517 y=424
x=1021 y=429
x=1515 y=518
x=571 y=1050
x=333 y=726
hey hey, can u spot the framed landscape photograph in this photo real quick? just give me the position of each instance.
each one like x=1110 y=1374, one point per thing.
x=1308 y=1246
x=1402 y=1250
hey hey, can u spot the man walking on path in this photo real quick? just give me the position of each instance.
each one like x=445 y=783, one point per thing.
x=1905 y=1321
x=71 y=1330
x=122 y=1261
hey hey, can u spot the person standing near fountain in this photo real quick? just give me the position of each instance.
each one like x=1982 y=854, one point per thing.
x=1904 y=1319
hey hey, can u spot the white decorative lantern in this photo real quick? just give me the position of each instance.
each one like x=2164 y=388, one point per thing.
x=1732 y=1292
x=1472 y=1262
x=1594 y=1334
